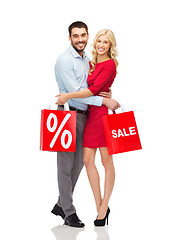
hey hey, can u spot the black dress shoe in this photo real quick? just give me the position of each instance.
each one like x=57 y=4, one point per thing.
x=65 y=222
x=58 y=211
x=74 y=221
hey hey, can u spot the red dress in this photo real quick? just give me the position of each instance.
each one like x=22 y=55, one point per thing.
x=99 y=81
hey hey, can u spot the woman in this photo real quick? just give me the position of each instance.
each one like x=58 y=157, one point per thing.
x=101 y=76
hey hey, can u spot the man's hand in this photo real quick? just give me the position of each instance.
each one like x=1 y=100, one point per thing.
x=106 y=94
x=111 y=104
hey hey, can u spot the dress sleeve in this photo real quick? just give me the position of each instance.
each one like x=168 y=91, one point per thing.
x=108 y=73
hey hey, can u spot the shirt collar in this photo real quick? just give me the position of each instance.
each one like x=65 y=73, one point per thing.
x=75 y=54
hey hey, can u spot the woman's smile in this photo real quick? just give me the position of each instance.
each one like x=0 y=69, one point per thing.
x=102 y=45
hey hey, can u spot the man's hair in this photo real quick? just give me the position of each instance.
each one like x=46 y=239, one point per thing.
x=77 y=24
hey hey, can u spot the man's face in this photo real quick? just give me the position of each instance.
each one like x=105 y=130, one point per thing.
x=79 y=39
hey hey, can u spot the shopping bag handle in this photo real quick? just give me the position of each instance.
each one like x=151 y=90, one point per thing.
x=122 y=108
x=54 y=106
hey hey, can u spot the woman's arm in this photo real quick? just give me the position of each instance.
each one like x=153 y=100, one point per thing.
x=63 y=97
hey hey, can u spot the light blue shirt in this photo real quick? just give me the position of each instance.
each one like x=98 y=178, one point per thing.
x=71 y=71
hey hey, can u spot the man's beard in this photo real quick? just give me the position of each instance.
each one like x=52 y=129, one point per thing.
x=79 y=50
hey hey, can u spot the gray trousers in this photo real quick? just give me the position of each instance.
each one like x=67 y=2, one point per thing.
x=69 y=166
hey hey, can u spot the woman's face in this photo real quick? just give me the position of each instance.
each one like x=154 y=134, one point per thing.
x=102 y=45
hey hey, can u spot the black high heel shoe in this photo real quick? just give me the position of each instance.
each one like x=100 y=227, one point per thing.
x=102 y=222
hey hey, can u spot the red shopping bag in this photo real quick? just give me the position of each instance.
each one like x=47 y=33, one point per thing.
x=121 y=133
x=58 y=131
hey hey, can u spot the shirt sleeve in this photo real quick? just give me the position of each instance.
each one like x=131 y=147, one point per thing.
x=67 y=82
x=108 y=73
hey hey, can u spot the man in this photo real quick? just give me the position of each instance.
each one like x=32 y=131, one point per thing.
x=71 y=72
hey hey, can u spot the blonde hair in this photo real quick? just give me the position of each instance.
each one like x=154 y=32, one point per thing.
x=112 y=53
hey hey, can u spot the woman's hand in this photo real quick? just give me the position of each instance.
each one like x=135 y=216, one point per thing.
x=62 y=98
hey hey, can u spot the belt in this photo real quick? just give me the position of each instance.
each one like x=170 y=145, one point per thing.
x=75 y=109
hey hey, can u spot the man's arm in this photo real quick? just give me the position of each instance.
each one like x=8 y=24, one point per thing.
x=66 y=79
x=111 y=104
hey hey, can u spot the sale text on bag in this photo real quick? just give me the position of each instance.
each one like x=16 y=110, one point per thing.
x=124 y=132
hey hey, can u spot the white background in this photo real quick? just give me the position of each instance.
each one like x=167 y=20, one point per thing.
x=144 y=204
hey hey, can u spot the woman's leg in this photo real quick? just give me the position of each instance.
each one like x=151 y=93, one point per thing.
x=107 y=162
x=92 y=172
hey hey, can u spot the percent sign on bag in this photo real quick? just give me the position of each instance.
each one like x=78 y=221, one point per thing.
x=58 y=130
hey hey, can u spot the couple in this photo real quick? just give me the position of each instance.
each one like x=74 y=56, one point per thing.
x=85 y=85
